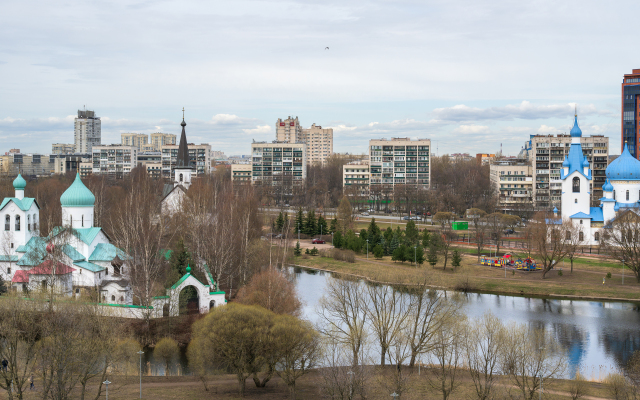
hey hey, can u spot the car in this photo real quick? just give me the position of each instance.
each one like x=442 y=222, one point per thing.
x=416 y=218
x=317 y=241
x=405 y=218
x=509 y=231
x=366 y=214
x=428 y=214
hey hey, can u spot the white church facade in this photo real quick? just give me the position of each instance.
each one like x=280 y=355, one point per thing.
x=621 y=190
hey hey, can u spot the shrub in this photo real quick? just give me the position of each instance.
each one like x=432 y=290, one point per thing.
x=306 y=251
x=378 y=251
x=166 y=351
x=456 y=259
x=314 y=251
x=608 y=275
x=297 y=250
x=559 y=272
x=344 y=255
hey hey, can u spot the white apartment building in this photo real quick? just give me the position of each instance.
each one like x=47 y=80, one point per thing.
x=87 y=131
x=400 y=161
x=199 y=158
x=137 y=140
x=355 y=179
x=319 y=140
x=513 y=180
x=62 y=148
x=278 y=162
x=548 y=152
x=114 y=160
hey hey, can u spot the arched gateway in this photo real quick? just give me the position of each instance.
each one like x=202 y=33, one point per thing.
x=206 y=298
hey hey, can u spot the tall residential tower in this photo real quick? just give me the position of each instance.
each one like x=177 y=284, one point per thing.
x=630 y=111
x=87 y=131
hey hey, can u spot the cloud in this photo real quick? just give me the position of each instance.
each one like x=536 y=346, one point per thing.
x=525 y=110
x=471 y=129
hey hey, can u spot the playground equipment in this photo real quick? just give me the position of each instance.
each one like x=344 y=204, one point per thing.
x=508 y=261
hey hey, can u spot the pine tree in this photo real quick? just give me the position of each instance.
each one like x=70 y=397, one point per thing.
x=419 y=256
x=456 y=259
x=373 y=231
x=279 y=223
x=334 y=225
x=322 y=228
x=3 y=286
x=395 y=243
x=297 y=250
x=432 y=256
x=299 y=221
x=411 y=233
x=337 y=240
x=364 y=235
x=399 y=254
x=426 y=237
x=409 y=253
x=311 y=223
x=378 y=251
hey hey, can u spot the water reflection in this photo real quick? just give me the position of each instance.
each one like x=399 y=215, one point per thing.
x=598 y=337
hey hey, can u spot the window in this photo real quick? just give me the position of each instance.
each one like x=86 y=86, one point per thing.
x=627 y=195
x=28 y=222
x=77 y=290
x=567 y=235
x=35 y=226
x=83 y=221
x=580 y=236
x=8 y=270
x=71 y=221
x=596 y=236
x=7 y=222
x=17 y=223
x=576 y=201
x=180 y=177
x=113 y=298
x=576 y=185
x=580 y=222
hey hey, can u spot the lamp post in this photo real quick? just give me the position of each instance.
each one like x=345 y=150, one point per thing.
x=415 y=257
x=395 y=395
x=623 y=271
x=298 y=231
x=140 y=353
x=367 y=249
x=107 y=383
x=331 y=239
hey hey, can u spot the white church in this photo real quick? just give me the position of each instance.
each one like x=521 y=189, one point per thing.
x=73 y=261
x=621 y=189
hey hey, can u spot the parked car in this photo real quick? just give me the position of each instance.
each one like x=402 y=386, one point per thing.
x=317 y=241
x=428 y=214
x=509 y=231
x=405 y=218
x=366 y=214
x=416 y=218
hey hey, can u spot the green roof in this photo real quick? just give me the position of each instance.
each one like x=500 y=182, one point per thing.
x=87 y=235
x=89 y=266
x=9 y=258
x=184 y=277
x=24 y=204
x=72 y=253
x=35 y=252
x=19 y=183
x=77 y=195
x=107 y=252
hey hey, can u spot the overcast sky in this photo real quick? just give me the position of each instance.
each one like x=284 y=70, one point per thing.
x=469 y=75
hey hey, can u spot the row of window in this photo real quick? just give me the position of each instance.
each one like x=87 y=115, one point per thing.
x=7 y=223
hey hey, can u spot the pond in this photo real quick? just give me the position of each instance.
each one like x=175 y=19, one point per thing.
x=599 y=337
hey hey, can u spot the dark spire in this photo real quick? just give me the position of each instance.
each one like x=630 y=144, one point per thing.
x=183 y=149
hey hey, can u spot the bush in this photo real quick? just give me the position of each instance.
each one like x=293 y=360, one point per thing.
x=297 y=250
x=378 y=251
x=314 y=251
x=344 y=255
x=166 y=351
x=307 y=252
x=559 y=272
x=456 y=259
x=608 y=275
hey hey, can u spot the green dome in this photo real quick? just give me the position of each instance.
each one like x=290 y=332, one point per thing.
x=19 y=183
x=77 y=195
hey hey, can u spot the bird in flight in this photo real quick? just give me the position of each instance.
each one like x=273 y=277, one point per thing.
x=326 y=48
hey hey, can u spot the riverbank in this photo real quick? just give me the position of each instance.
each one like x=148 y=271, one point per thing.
x=308 y=387
x=585 y=283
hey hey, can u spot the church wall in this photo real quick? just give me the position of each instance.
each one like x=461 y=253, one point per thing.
x=620 y=189
x=77 y=217
x=569 y=205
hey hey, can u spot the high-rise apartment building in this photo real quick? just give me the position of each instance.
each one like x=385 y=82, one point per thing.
x=199 y=158
x=87 y=131
x=355 y=179
x=114 y=160
x=547 y=153
x=162 y=139
x=631 y=112
x=241 y=173
x=319 y=140
x=400 y=161
x=137 y=140
x=62 y=148
x=277 y=162
x=13 y=164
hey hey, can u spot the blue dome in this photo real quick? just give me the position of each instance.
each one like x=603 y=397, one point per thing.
x=576 y=131
x=19 y=183
x=585 y=163
x=625 y=167
x=566 y=163
x=77 y=195
x=607 y=187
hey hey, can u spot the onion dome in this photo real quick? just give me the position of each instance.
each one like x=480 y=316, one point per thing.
x=19 y=183
x=585 y=163
x=555 y=210
x=566 y=163
x=625 y=167
x=576 y=131
x=116 y=262
x=607 y=187
x=77 y=195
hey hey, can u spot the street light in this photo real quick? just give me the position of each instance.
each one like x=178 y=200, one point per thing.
x=107 y=383
x=140 y=353
x=415 y=249
x=298 y=231
x=623 y=271
x=367 y=249
x=331 y=239
x=395 y=395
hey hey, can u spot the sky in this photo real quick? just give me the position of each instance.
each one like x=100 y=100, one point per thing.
x=470 y=75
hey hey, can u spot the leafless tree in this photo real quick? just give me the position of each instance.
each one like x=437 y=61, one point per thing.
x=483 y=342
x=547 y=234
x=574 y=238
x=448 y=351
x=621 y=240
x=477 y=218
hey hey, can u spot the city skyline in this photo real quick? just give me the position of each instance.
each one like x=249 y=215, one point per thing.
x=468 y=76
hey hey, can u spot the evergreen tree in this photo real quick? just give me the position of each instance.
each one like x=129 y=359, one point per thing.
x=383 y=243
x=410 y=253
x=285 y=223
x=178 y=262
x=364 y=235
x=314 y=251
x=399 y=254
x=279 y=223
x=311 y=223
x=3 y=286
x=299 y=221
x=337 y=240
x=373 y=231
x=456 y=259
x=334 y=225
x=388 y=234
x=432 y=256
x=378 y=251
x=322 y=228
x=411 y=233
x=419 y=256
x=395 y=243
x=426 y=238
x=297 y=250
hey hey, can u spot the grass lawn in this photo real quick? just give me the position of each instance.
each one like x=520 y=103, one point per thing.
x=585 y=281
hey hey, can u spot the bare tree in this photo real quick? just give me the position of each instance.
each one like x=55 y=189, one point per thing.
x=477 y=218
x=574 y=238
x=621 y=240
x=483 y=342
x=339 y=379
x=342 y=315
x=447 y=349
x=547 y=235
